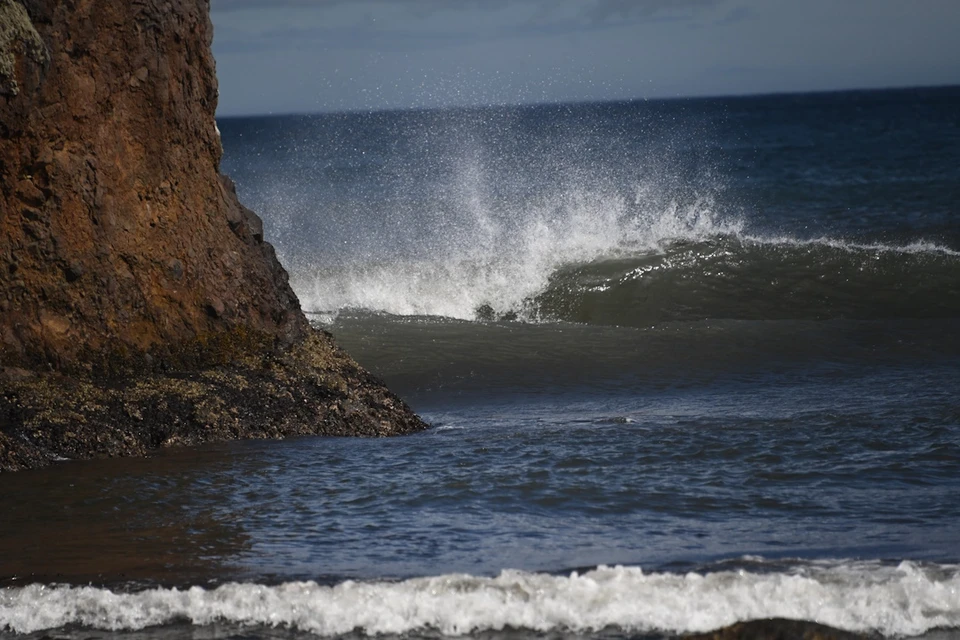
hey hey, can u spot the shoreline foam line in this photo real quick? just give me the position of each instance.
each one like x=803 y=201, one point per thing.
x=904 y=600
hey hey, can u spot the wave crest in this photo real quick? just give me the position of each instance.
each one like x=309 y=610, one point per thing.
x=755 y=278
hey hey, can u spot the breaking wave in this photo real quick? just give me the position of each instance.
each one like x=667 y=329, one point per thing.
x=492 y=260
x=601 y=259
x=907 y=599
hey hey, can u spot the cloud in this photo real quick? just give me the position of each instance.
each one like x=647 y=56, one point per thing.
x=613 y=10
x=734 y=15
x=408 y=25
x=592 y=11
x=414 y=5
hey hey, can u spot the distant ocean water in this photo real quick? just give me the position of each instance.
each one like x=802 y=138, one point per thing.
x=687 y=363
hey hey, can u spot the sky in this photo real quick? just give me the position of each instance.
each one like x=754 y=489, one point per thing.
x=306 y=56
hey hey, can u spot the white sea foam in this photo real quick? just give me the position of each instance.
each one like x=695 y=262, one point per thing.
x=908 y=599
x=911 y=248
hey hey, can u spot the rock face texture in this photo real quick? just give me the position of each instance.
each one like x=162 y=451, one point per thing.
x=777 y=629
x=123 y=251
x=118 y=232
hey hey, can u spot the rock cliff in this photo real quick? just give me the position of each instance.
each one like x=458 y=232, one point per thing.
x=129 y=271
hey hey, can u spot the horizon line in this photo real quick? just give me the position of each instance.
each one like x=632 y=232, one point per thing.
x=536 y=104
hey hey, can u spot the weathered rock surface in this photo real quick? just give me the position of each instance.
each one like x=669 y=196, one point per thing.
x=777 y=629
x=124 y=254
x=311 y=388
x=118 y=233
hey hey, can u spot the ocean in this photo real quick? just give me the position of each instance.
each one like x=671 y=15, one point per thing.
x=686 y=362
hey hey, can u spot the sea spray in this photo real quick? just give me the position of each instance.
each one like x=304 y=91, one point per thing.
x=450 y=212
x=499 y=260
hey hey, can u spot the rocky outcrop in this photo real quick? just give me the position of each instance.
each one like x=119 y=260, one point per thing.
x=311 y=388
x=124 y=255
x=777 y=629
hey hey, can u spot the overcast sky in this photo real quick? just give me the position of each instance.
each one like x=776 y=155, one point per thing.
x=302 y=56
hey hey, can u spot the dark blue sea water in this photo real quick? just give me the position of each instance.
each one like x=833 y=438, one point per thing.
x=687 y=362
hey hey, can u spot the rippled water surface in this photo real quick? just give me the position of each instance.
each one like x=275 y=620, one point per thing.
x=801 y=467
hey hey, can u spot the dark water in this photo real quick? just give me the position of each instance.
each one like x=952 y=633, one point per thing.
x=687 y=363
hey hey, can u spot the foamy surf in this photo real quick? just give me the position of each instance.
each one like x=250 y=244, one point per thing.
x=904 y=600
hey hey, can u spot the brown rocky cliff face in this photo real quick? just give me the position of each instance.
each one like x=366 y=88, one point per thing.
x=139 y=304
x=117 y=234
